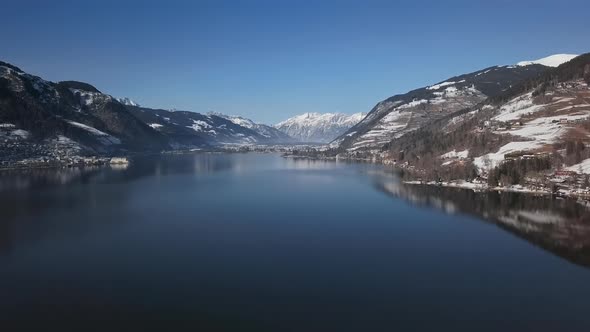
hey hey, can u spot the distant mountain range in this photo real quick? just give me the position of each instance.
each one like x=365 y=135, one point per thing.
x=469 y=122
x=43 y=119
x=319 y=128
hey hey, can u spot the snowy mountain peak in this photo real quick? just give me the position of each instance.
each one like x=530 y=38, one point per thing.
x=318 y=127
x=126 y=101
x=240 y=121
x=270 y=134
x=550 y=61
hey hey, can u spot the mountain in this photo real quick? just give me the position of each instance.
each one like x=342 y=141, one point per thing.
x=519 y=137
x=402 y=114
x=48 y=122
x=318 y=128
x=511 y=128
x=127 y=102
x=70 y=116
x=190 y=129
x=550 y=61
x=271 y=134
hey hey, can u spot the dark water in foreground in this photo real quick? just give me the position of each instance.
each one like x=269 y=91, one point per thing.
x=252 y=242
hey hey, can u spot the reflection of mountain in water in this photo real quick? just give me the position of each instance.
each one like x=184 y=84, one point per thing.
x=561 y=226
x=27 y=193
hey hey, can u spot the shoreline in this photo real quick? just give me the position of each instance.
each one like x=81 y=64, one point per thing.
x=512 y=189
x=459 y=184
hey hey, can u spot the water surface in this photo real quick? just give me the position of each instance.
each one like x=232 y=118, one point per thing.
x=263 y=243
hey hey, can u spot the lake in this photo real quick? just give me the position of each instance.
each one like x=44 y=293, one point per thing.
x=257 y=242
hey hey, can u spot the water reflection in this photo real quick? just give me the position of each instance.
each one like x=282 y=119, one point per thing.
x=29 y=179
x=228 y=238
x=560 y=226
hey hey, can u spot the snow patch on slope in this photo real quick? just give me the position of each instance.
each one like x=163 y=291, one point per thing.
x=126 y=101
x=550 y=61
x=443 y=84
x=199 y=126
x=583 y=167
x=104 y=137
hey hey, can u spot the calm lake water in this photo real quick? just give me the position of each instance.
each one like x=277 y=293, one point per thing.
x=256 y=242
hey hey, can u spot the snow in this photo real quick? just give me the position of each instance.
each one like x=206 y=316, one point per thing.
x=199 y=125
x=547 y=129
x=484 y=72
x=583 y=167
x=443 y=84
x=454 y=154
x=86 y=97
x=403 y=118
x=517 y=108
x=413 y=103
x=238 y=120
x=391 y=123
x=322 y=119
x=64 y=140
x=104 y=137
x=540 y=131
x=497 y=157
x=20 y=133
x=155 y=125
x=319 y=126
x=127 y=101
x=550 y=61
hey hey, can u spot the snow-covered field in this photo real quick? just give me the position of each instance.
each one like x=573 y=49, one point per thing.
x=517 y=108
x=583 y=167
x=550 y=61
x=104 y=137
x=199 y=126
x=559 y=116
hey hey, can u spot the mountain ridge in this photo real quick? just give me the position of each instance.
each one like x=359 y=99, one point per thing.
x=318 y=127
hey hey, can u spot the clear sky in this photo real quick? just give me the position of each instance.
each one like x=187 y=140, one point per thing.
x=269 y=60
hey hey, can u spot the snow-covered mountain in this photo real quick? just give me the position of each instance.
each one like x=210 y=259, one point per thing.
x=317 y=127
x=516 y=137
x=48 y=120
x=187 y=129
x=550 y=61
x=273 y=135
x=68 y=115
x=402 y=114
x=127 y=102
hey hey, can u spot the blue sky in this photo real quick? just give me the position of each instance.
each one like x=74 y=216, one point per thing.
x=269 y=60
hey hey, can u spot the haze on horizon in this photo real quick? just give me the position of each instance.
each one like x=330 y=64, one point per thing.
x=267 y=60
